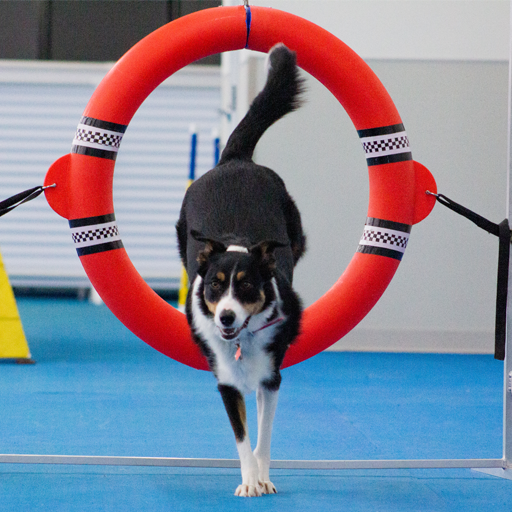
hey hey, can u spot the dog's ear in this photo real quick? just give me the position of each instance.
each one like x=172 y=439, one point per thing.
x=264 y=251
x=210 y=247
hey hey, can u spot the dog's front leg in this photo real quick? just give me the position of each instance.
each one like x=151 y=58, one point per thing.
x=266 y=400
x=235 y=407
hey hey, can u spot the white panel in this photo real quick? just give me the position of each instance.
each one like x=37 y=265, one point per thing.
x=40 y=107
x=411 y=29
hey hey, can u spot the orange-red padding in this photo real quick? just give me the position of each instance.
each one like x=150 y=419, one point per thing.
x=339 y=310
x=139 y=308
x=84 y=184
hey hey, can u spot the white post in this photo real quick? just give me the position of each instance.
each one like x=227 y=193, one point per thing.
x=507 y=392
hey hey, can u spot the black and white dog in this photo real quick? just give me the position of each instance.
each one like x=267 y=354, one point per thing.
x=240 y=236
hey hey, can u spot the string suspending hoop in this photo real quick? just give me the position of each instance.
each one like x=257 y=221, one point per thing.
x=83 y=192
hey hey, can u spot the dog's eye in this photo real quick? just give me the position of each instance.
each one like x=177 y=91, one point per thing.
x=215 y=284
x=245 y=285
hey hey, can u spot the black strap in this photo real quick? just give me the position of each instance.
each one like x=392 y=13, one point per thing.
x=502 y=231
x=480 y=221
x=12 y=202
x=502 y=291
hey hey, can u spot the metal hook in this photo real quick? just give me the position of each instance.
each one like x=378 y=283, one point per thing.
x=431 y=193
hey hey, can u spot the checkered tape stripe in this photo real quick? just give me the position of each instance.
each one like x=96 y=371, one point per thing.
x=97 y=138
x=384 y=238
x=87 y=236
x=385 y=145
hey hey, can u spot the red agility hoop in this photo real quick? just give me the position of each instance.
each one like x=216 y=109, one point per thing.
x=83 y=192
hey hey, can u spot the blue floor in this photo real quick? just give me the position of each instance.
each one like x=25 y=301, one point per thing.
x=98 y=390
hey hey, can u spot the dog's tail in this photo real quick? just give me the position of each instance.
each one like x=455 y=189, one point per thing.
x=279 y=97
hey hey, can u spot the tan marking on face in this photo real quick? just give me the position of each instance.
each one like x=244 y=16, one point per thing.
x=212 y=306
x=240 y=275
x=221 y=276
x=255 y=307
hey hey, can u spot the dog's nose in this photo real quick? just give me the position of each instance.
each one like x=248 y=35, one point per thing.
x=227 y=317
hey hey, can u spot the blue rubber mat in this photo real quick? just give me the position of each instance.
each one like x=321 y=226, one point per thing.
x=98 y=390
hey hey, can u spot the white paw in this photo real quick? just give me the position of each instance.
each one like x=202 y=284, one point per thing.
x=248 y=491
x=267 y=487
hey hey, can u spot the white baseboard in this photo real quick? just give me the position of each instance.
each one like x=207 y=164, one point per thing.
x=411 y=340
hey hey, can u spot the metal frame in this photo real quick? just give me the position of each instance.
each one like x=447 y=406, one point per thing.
x=507 y=388
x=506 y=472
x=486 y=464
x=496 y=467
x=507 y=367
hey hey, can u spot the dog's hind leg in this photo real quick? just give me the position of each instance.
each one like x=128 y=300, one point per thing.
x=235 y=407
x=266 y=400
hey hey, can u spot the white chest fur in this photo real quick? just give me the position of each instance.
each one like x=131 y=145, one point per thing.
x=255 y=364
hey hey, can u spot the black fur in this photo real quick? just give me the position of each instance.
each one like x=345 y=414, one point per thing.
x=240 y=202
x=285 y=85
x=287 y=332
x=205 y=349
x=235 y=407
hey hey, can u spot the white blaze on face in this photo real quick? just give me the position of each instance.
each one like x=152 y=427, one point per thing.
x=229 y=303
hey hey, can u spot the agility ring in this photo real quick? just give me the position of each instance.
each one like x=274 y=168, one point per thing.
x=84 y=178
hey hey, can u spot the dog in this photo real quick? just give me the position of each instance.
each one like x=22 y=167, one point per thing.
x=240 y=236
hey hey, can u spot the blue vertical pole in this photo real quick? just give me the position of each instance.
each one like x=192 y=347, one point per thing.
x=193 y=154
x=216 y=147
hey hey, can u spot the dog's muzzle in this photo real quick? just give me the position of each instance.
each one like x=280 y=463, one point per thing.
x=231 y=333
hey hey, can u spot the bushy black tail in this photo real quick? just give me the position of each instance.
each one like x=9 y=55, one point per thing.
x=278 y=98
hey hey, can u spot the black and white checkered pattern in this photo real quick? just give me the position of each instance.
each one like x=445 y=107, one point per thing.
x=98 y=138
x=386 y=144
x=95 y=234
x=110 y=140
x=384 y=238
x=372 y=236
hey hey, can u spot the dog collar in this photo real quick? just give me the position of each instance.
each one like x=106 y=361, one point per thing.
x=269 y=324
x=274 y=319
x=238 y=354
x=237 y=248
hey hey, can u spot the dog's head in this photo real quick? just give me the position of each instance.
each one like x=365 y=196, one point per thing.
x=236 y=282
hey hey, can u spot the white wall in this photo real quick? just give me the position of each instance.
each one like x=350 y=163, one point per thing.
x=42 y=102
x=410 y=29
x=444 y=64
